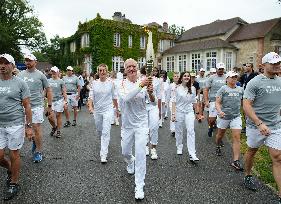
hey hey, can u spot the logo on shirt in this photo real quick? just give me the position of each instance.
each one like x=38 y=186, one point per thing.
x=5 y=89
x=26 y=79
x=272 y=89
x=233 y=94
x=53 y=84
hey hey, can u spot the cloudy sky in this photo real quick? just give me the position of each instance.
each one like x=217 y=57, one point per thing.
x=62 y=16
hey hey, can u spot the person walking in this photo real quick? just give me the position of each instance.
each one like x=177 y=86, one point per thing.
x=228 y=104
x=59 y=101
x=261 y=104
x=101 y=96
x=15 y=122
x=173 y=86
x=133 y=97
x=38 y=85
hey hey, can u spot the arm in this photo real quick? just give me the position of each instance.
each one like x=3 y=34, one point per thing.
x=249 y=112
x=218 y=106
x=78 y=91
x=128 y=96
x=28 y=117
x=206 y=96
x=173 y=111
x=49 y=98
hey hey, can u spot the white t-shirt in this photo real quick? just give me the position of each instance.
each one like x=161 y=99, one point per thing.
x=156 y=92
x=184 y=100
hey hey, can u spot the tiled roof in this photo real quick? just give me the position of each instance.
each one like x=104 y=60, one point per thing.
x=253 y=30
x=201 y=45
x=218 y=27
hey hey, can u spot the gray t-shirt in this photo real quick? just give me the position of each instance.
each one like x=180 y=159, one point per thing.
x=230 y=101
x=71 y=83
x=265 y=94
x=214 y=83
x=12 y=92
x=36 y=82
x=201 y=81
x=57 y=88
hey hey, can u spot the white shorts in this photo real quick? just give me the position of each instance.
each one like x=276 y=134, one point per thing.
x=57 y=106
x=255 y=139
x=37 y=115
x=212 y=110
x=235 y=123
x=12 y=137
x=71 y=100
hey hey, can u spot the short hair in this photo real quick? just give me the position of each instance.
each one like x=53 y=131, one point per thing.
x=130 y=60
x=102 y=65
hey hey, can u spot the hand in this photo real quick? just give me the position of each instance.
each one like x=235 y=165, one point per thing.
x=91 y=110
x=173 y=118
x=200 y=117
x=65 y=104
x=264 y=130
x=207 y=104
x=221 y=114
x=28 y=133
x=77 y=97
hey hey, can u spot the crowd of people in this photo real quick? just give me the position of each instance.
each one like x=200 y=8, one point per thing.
x=142 y=101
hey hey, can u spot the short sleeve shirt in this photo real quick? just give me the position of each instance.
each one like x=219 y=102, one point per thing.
x=214 y=83
x=184 y=100
x=57 y=86
x=71 y=83
x=12 y=93
x=265 y=94
x=36 y=82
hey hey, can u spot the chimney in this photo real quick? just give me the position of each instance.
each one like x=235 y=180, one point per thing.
x=165 y=27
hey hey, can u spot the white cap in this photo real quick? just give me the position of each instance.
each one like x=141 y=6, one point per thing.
x=9 y=58
x=271 y=58
x=220 y=65
x=192 y=74
x=69 y=68
x=202 y=70
x=213 y=70
x=55 y=69
x=231 y=74
x=30 y=56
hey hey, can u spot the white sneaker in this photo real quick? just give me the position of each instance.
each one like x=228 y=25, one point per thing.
x=116 y=122
x=103 y=159
x=179 y=151
x=139 y=194
x=154 y=155
x=147 y=150
x=131 y=166
x=193 y=158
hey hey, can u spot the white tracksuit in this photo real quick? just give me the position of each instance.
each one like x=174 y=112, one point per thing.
x=172 y=94
x=185 y=118
x=134 y=126
x=102 y=94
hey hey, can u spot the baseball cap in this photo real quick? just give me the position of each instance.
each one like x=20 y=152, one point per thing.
x=30 y=56
x=9 y=58
x=231 y=74
x=213 y=70
x=202 y=70
x=69 y=68
x=192 y=74
x=220 y=65
x=55 y=69
x=271 y=58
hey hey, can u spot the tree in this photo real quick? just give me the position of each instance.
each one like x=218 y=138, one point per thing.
x=19 y=27
x=52 y=51
x=177 y=30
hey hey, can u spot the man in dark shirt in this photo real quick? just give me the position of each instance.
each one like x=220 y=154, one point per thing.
x=248 y=74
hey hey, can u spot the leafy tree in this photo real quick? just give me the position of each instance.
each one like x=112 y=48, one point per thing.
x=19 y=27
x=177 y=30
x=52 y=51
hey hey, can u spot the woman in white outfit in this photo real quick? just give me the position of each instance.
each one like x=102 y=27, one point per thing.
x=182 y=112
x=173 y=87
x=101 y=96
x=133 y=97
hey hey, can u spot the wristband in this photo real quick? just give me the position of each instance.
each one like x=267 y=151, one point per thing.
x=259 y=124
x=50 y=106
x=28 y=125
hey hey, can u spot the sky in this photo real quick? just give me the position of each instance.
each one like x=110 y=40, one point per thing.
x=62 y=16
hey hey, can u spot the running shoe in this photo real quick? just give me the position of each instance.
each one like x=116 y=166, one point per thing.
x=154 y=155
x=279 y=200
x=236 y=165
x=147 y=150
x=139 y=194
x=249 y=183
x=179 y=151
x=218 y=151
x=74 y=123
x=221 y=144
x=131 y=166
x=53 y=131
x=103 y=159
x=58 y=134
x=37 y=157
x=12 y=191
x=173 y=134
x=67 y=124
x=210 y=132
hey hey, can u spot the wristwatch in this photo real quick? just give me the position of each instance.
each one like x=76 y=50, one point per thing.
x=28 y=125
x=50 y=106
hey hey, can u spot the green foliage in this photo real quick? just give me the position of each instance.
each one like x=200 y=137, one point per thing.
x=19 y=26
x=77 y=69
x=170 y=75
x=101 y=48
x=178 y=31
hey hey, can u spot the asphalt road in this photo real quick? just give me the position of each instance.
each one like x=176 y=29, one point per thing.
x=71 y=171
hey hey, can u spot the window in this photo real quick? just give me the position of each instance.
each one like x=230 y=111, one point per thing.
x=161 y=46
x=72 y=47
x=130 y=41
x=182 y=63
x=88 y=63
x=195 y=62
x=251 y=60
x=116 y=40
x=141 y=62
x=85 y=40
x=211 y=59
x=170 y=64
x=142 y=42
x=172 y=43
x=228 y=61
x=117 y=63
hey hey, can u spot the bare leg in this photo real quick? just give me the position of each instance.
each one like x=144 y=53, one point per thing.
x=38 y=136
x=236 y=144
x=15 y=165
x=249 y=159
x=276 y=166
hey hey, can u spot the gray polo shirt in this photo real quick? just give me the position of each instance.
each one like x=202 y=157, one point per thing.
x=265 y=94
x=71 y=83
x=36 y=82
x=57 y=88
x=214 y=83
x=12 y=92
x=230 y=101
